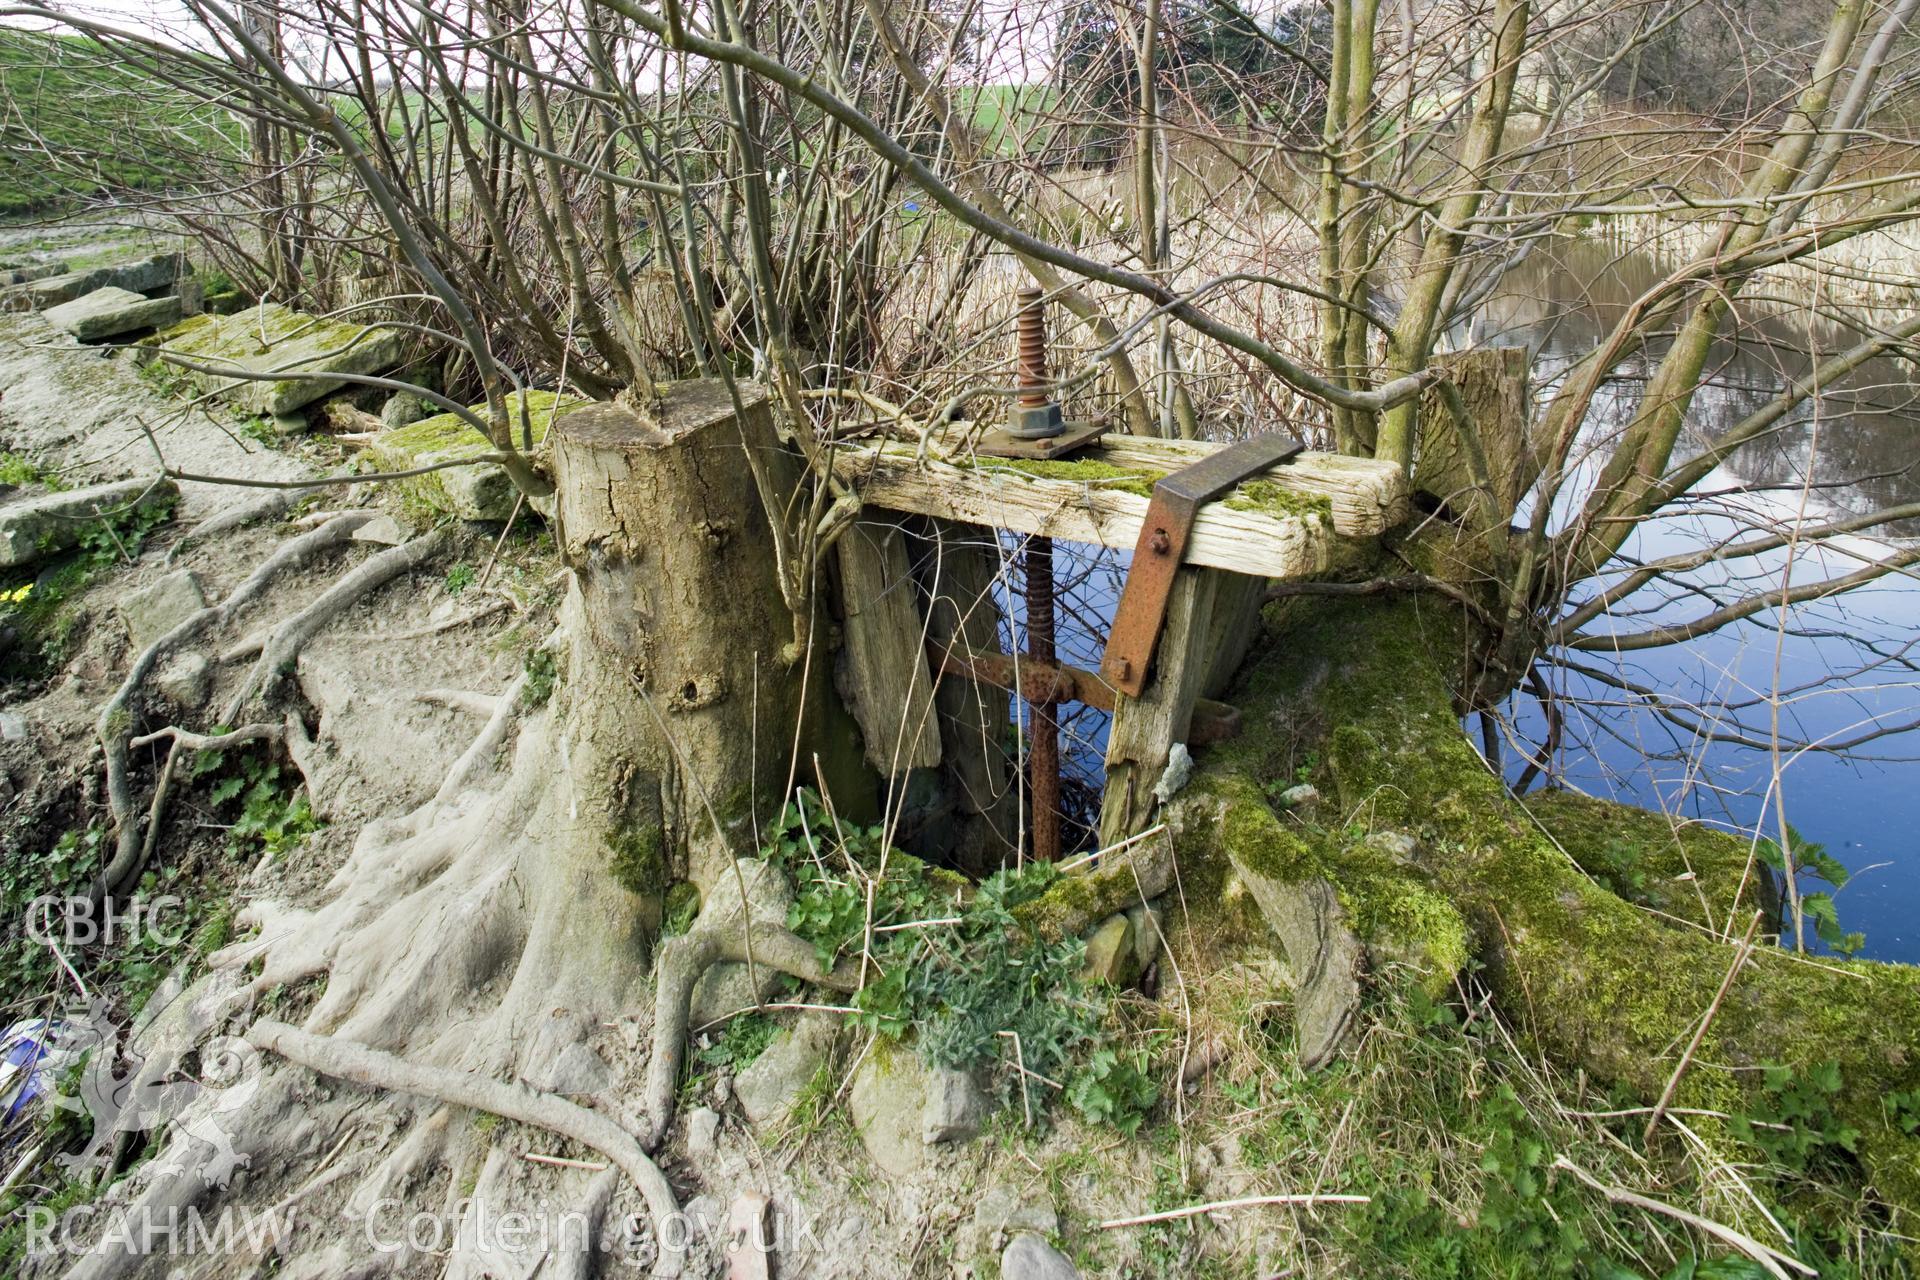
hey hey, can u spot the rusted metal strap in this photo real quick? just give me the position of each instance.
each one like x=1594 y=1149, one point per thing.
x=1177 y=498
x=1042 y=684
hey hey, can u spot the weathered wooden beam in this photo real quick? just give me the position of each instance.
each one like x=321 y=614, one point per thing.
x=1299 y=519
x=887 y=687
x=1208 y=630
x=958 y=566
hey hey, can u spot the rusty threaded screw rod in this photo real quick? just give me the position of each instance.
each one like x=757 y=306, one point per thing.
x=1043 y=728
x=1032 y=379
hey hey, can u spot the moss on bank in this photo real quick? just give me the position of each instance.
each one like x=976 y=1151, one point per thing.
x=1590 y=978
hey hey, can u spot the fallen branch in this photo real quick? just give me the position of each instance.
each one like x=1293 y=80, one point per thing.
x=1216 y=1206
x=345 y=1060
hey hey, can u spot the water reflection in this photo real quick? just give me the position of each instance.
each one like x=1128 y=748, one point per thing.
x=1837 y=670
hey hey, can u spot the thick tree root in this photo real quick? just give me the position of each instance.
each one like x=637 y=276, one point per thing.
x=347 y=1061
x=756 y=936
x=283 y=645
x=115 y=724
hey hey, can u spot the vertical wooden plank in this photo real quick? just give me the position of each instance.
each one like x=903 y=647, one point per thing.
x=884 y=679
x=1145 y=728
x=958 y=568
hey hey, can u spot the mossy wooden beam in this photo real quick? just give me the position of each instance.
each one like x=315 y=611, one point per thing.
x=1302 y=518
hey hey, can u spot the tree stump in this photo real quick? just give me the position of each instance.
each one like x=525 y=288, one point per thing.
x=680 y=713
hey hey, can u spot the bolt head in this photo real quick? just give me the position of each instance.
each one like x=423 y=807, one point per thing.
x=1160 y=542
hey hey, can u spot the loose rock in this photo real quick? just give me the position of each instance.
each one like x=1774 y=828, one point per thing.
x=769 y=1085
x=54 y=522
x=107 y=313
x=1111 y=957
x=185 y=680
x=159 y=607
x=703 y=1133
x=1031 y=1258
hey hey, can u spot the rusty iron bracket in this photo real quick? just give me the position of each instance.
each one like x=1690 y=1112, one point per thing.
x=1177 y=498
x=1042 y=683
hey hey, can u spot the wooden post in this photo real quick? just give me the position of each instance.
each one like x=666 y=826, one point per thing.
x=884 y=681
x=1211 y=620
x=958 y=570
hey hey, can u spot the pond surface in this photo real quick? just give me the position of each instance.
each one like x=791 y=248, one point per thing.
x=1837 y=671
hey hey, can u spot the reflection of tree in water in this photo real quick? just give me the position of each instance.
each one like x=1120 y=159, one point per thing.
x=1563 y=302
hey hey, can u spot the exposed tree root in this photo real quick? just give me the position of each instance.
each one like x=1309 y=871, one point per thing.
x=115 y=724
x=1592 y=979
x=757 y=935
x=349 y=1061
x=292 y=634
x=269 y=506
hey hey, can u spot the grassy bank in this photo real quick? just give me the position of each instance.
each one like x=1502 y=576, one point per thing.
x=81 y=123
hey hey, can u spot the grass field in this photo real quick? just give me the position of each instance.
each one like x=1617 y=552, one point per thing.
x=75 y=123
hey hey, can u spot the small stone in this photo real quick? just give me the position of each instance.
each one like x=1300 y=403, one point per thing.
x=13 y=727
x=384 y=530
x=1001 y=1211
x=107 y=313
x=955 y=1108
x=887 y=1103
x=289 y=424
x=1397 y=845
x=1029 y=1257
x=769 y=1085
x=185 y=681
x=1179 y=769
x=726 y=989
x=52 y=522
x=160 y=606
x=404 y=407
x=1110 y=953
x=1304 y=794
x=703 y=1133
x=192 y=294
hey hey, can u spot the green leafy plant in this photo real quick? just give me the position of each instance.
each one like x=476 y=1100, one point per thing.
x=1812 y=859
x=744 y=1039
x=17 y=470
x=959 y=973
x=1794 y=1121
x=273 y=814
x=1114 y=1088
x=459 y=578
x=543 y=672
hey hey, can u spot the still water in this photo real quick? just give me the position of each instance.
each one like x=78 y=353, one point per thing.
x=1838 y=667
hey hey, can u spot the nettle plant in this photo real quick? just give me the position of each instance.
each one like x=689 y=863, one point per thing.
x=1811 y=860
x=272 y=813
x=959 y=974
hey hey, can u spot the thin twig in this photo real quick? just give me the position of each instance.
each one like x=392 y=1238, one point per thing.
x=1700 y=1032
x=1772 y=1259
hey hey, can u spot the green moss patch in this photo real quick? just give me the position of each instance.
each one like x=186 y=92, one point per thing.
x=479 y=492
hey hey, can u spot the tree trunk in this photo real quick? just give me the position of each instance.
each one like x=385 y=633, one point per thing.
x=680 y=714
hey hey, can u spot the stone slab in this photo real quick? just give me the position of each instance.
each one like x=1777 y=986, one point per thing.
x=110 y=312
x=160 y=606
x=145 y=276
x=310 y=353
x=52 y=522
